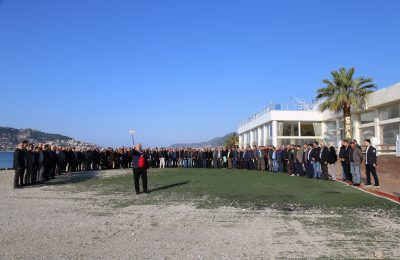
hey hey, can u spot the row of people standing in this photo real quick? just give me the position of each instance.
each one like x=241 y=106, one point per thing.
x=291 y=159
x=42 y=162
x=315 y=160
x=351 y=159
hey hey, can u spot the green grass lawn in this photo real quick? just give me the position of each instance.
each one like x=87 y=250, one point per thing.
x=237 y=188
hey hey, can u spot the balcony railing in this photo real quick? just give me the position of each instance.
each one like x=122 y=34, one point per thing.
x=270 y=107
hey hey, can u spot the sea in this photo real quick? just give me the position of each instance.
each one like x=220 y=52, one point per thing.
x=6 y=160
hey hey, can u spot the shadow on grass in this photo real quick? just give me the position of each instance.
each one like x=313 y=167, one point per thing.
x=74 y=177
x=169 y=186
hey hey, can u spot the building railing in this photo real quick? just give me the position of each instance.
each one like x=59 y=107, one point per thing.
x=270 y=107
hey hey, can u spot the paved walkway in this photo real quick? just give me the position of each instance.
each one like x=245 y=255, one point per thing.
x=389 y=186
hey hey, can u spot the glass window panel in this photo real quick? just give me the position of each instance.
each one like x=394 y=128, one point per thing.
x=389 y=133
x=307 y=129
x=389 y=112
x=330 y=125
x=290 y=129
x=330 y=136
x=269 y=130
x=295 y=141
x=368 y=117
x=367 y=133
x=341 y=123
x=262 y=135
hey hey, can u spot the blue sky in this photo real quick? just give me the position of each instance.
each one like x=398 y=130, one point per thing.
x=179 y=71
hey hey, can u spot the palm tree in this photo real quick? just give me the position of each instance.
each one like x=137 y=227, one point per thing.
x=344 y=92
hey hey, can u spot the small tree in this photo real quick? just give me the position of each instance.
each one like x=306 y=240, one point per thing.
x=232 y=140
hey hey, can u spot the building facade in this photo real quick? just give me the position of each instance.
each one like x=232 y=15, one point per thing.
x=379 y=120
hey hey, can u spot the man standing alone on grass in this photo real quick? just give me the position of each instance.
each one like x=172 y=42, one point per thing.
x=140 y=167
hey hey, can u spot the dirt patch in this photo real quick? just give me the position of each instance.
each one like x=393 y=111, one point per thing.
x=49 y=223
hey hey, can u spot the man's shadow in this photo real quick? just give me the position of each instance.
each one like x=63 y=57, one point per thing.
x=169 y=186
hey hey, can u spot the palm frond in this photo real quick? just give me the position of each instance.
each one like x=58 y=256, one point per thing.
x=344 y=90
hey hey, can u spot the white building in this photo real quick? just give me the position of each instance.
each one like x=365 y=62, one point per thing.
x=379 y=121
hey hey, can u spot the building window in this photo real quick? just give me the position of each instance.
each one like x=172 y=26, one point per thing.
x=331 y=136
x=307 y=129
x=389 y=133
x=389 y=112
x=367 y=118
x=255 y=137
x=341 y=123
x=269 y=130
x=330 y=125
x=367 y=133
x=262 y=136
x=295 y=141
x=288 y=129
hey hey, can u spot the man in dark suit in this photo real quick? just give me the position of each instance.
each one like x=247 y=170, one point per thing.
x=29 y=165
x=370 y=163
x=308 y=161
x=19 y=164
x=324 y=158
x=140 y=167
x=249 y=157
x=344 y=160
x=285 y=158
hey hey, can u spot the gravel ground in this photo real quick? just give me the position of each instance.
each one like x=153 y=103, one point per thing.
x=48 y=222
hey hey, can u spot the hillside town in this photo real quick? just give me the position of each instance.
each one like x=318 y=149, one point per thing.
x=10 y=137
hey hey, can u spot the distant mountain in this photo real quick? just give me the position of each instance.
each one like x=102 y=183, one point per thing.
x=10 y=137
x=215 y=142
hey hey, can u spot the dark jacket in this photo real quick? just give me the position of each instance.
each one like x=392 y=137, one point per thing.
x=285 y=154
x=36 y=160
x=344 y=153
x=291 y=155
x=135 y=159
x=315 y=154
x=19 y=159
x=324 y=155
x=30 y=159
x=332 y=155
x=370 y=156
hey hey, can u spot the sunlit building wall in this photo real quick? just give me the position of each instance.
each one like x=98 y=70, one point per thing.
x=379 y=120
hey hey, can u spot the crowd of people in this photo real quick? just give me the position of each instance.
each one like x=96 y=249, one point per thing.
x=35 y=164
x=40 y=163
